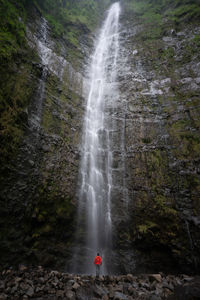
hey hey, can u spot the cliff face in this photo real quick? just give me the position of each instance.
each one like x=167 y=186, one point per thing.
x=39 y=174
x=159 y=85
x=155 y=146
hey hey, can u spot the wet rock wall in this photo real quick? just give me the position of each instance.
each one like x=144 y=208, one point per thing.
x=38 y=187
x=159 y=86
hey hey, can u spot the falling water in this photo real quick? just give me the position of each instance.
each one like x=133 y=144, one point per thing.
x=35 y=113
x=50 y=62
x=95 y=209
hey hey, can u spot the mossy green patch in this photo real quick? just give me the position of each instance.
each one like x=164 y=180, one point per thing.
x=187 y=142
x=17 y=90
x=160 y=15
x=184 y=12
x=12 y=29
x=146 y=140
x=144 y=228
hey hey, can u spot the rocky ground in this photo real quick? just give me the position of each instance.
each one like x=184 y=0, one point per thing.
x=41 y=284
x=156 y=144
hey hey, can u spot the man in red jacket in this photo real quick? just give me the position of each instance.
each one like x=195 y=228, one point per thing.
x=98 y=263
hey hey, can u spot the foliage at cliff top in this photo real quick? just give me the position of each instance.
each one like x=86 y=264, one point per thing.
x=156 y=14
x=153 y=11
x=70 y=19
x=65 y=16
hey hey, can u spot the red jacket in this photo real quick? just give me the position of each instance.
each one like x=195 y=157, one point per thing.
x=98 y=260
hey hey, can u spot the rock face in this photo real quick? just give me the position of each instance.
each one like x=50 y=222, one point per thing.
x=38 y=190
x=43 y=284
x=157 y=212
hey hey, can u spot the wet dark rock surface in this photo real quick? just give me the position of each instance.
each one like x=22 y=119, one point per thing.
x=38 y=184
x=41 y=284
x=156 y=211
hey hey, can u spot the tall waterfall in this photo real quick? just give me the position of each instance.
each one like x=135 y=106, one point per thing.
x=95 y=208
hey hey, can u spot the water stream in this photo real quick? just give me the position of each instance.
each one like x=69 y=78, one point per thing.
x=35 y=113
x=50 y=62
x=95 y=207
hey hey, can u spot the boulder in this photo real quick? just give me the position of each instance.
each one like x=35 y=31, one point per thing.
x=22 y=268
x=70 y=295
x=30 y=292
x=75 y=286
x=99 y=291
x=156 y=277
x=154 y=297
x=120 y=296
x=188 y=291
x=60 y=293
x=130 y=277
x=119 y=288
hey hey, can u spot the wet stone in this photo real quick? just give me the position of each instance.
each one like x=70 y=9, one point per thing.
x=130 y=277
x=156 y=277
x=56 y=286
x=120 y=296
x=75 y=286
x=70 y=295
x=60 y=293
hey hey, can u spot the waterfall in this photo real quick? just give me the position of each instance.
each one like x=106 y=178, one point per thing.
x=95 y=209
x=50 y=62
x=35 y=109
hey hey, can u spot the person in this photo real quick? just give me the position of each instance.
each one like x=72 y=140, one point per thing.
x=98 y=263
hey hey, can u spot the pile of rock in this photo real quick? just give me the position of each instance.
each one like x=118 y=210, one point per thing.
x=41 y=284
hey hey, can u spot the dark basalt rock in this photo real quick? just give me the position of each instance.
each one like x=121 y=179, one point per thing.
x=43 y=284
x=155 y=195
x=161 y=180
x=190 y=290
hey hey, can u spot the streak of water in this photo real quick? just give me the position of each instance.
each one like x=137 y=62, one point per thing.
x=35 y=110
x=96 y=167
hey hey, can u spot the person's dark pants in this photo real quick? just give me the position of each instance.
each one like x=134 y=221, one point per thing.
x=97 y=270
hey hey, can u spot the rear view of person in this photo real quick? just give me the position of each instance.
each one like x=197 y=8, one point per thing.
x=98 y=263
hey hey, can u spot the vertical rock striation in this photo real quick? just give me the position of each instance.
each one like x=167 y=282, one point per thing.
x=38 y=191
x=159 y=85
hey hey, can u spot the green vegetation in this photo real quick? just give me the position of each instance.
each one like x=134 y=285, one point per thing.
x=17 y=87
x=157 y=223
x=144 y=228
x=184 y=12
x=71 y=19
x=12 y=29
x=155 y=11
x=46 y=222
x=156 y=15
x=15 y=90
x=196 y=40
x=146 y=140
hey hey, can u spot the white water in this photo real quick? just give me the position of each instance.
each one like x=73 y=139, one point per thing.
x=49 y=58
x=35 y=114
x=49 y=62
x=95 y=207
